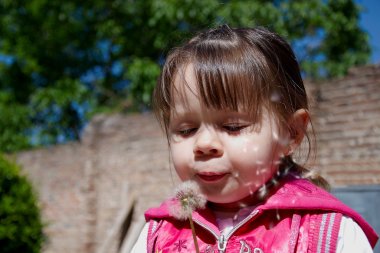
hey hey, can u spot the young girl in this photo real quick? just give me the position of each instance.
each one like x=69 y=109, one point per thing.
x=234 y=108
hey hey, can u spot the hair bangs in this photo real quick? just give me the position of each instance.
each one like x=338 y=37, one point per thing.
x=229 y=78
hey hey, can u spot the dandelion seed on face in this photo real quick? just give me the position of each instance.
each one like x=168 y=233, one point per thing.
x=242 y=205
x=262 y=192
x=274 y=182
x=275 y=136
x=283 y=141
x=263 y=170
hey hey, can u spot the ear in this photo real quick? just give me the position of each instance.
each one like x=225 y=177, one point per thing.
x=298 y=123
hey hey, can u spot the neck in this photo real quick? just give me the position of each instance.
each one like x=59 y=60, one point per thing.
x=234 y=206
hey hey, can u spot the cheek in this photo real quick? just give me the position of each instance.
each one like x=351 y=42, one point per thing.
x=254 y=152
x=180 y=159
x=248 y=147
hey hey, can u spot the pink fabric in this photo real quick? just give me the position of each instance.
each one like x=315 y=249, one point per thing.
x=324 y=233
x=302 y=195
x=309 y=221
x=294 y=231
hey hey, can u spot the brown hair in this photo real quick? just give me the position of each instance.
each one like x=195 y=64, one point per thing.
x=238 y=68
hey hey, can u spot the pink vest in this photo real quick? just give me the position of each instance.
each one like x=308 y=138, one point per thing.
x=298 y=217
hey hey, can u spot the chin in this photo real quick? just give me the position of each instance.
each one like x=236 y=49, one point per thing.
x=224 y=200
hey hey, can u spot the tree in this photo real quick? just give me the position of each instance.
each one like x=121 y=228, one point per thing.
x=20 y=226
x=61 y=61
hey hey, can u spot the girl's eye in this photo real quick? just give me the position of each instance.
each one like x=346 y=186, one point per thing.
x=234 y=128
x=186 y=132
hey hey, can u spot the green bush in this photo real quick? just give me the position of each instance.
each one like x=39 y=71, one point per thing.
x=20 y=220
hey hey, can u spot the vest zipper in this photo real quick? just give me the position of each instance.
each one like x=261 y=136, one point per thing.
x=222 y=240
x=222 y=243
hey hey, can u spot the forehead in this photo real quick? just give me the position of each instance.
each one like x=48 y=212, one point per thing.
x=185 y=79
x=185 y=84
x=185 y=91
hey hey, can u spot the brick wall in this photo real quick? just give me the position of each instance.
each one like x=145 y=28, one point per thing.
x=83 y=187
x=59 y=176
x=347 y=120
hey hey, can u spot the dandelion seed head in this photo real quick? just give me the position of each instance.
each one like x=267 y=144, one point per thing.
x=188 y=198
x=178 y=212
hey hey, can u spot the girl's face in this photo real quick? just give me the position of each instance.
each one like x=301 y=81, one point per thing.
x=225 y=152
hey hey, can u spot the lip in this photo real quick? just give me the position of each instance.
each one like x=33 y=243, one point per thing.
x=211 y=177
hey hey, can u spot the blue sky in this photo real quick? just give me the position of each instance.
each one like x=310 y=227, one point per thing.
x=370 y=22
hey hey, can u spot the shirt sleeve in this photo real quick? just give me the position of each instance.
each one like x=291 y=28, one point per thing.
x=351 y=238
x=140 y=245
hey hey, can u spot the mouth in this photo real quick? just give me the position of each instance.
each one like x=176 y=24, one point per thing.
x=211 y=177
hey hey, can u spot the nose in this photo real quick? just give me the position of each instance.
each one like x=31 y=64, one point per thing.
x=207 y=143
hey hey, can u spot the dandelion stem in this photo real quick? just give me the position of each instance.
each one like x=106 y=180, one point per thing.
x=194 y=234
x=185 y=203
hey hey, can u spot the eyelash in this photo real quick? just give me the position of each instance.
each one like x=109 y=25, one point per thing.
x=232 y=128
x=186 y=132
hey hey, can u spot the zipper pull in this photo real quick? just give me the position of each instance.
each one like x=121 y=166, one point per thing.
x=222 y=243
